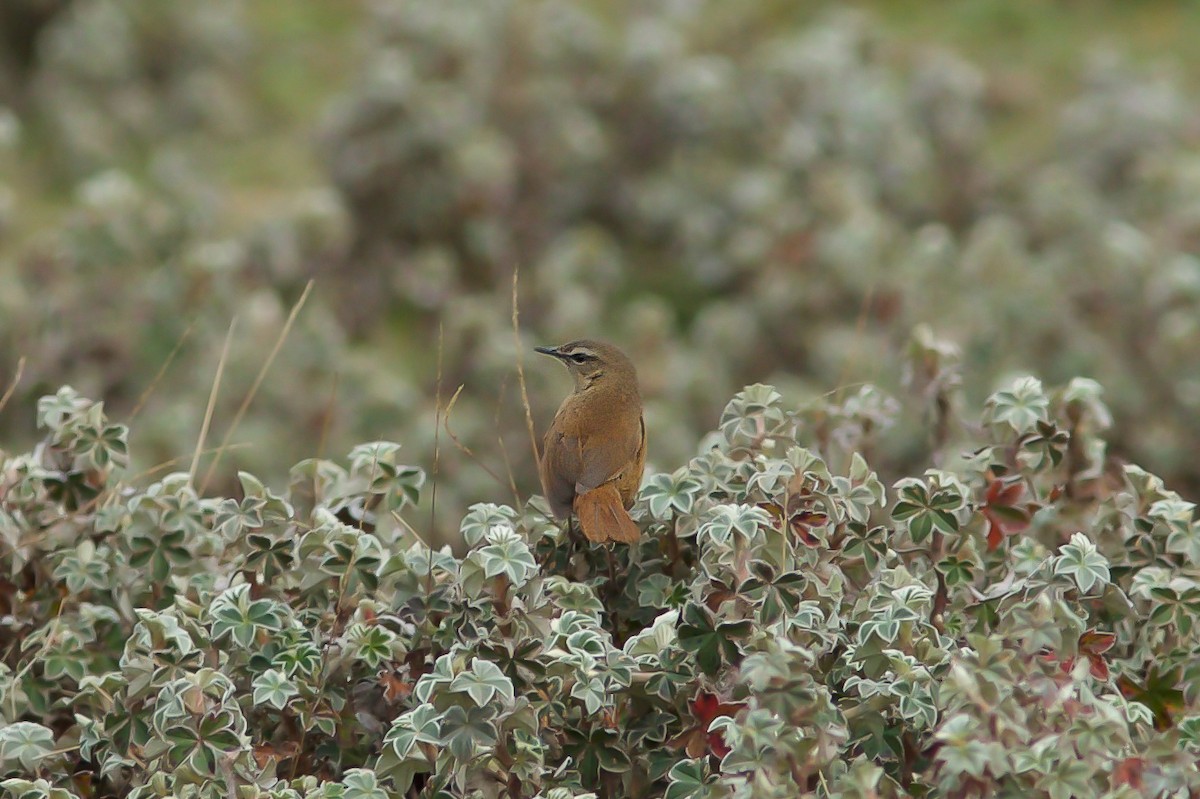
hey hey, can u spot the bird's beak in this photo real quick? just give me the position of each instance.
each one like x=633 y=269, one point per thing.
x=551 y=351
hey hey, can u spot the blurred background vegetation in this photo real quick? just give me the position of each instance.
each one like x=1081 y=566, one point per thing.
x=813 y=195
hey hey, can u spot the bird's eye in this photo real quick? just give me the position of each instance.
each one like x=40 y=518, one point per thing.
x=579 y=357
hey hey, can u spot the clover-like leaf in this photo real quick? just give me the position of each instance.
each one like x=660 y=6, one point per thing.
x=362 y=783
x=466 y=730
x=236 y=615
x=668 y=494
x=712 y=643
x=482 y=682
x=507 y=554
x=751 y=415
x=1081 y=561
x=722 y=522
x=422 y=724
x=1021 y=406
x=25 y=744
x=924 y=507
x=371 y=643
x=34 y=789
x=273 y=688
x=481 y=518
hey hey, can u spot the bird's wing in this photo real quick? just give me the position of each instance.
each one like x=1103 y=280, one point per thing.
x=605 y=459
x=559 y=468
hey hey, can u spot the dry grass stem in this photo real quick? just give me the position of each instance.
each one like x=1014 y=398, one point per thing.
x=262 y=373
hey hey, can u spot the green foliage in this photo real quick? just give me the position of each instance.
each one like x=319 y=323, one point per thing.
x=1007 y=624
x=745 y=192
x=906 y=587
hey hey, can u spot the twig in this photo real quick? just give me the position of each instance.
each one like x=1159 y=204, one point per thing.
x=337 y=376
x=521 y=366
x=162 y=467
x=437 y=436
x=463 y=448
x=12 y=387
x=262 y=373
x=512 y=480
x=212 y=401
x=162 y=370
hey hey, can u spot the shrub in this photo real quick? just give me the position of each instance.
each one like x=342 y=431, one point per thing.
x=734 y=192
x=1021 y=620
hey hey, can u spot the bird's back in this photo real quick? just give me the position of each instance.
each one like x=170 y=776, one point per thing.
x=597 y=437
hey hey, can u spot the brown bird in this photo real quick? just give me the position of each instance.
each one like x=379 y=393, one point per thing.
x=595 y=450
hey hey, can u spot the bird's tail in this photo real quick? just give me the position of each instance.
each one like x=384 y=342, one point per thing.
x=603 y=517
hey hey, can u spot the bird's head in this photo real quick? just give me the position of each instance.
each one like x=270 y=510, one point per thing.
x=592 y=362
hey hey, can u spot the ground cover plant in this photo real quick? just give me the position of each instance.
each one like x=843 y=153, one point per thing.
x=737 y=192
x=1018 y=619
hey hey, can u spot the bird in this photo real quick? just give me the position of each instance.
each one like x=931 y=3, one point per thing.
x=594 y=451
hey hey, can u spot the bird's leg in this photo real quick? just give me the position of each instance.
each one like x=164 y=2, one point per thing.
x=574 y=534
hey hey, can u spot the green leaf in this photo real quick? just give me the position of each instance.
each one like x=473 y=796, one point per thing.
x=687 y=780
x=722 y=522
x=1021 y=406
x=481 y=518
x=236 y=616
x=467 y=730
x=507 y=554
x=362 y=783
x=35 y=789
x=273 y=688
x=419 y=725
x=25 y=744
x=372 y=644
x=483 y=681
x=752 y=413
x=1079 y=559
x=710 y=642
x=671 y=494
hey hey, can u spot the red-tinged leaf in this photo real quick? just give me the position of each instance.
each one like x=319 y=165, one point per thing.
x=265 y=753
x=775 y=511
x=802 y=523
x=697 y=740
x=717 y=745
x=706 y=707
x=693 y=740
x=1013 y=518
x=394 y=688
x=1158 y=693
x=1128 y=772
x=995 y=532
x=1004 y=492
x=718 y=596
x=1094 y=643
x=1098 y=667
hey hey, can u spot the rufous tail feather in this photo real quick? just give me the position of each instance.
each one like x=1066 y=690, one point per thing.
x=603 y=516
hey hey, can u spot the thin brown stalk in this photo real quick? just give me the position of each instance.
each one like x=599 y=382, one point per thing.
x=461 y=447
x=328 y=417
x=521 y=366
x=860 y=328
x=262 y=373
x=437 y=437
x=512 y=480
x=12 y=387
x=162 y=370
x=162 y=467
x=212 y=401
